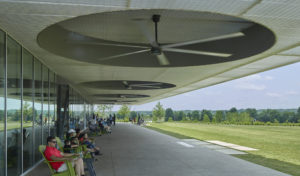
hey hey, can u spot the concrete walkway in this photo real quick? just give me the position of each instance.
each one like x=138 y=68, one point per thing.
x=136 y=151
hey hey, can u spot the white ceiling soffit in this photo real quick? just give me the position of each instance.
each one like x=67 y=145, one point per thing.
x=24 y=20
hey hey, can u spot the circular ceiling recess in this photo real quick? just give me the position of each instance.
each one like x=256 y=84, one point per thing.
x=156 y=38
x=127 y=85
x=117 y=101
x=120 y=96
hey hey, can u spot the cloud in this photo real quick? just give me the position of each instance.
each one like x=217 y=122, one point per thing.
x=268 y=78
x=253 y=77
x=250 y=86
x=209 y=93
x=278 y=95
x=253 y=82
x=256 y=77
x=291 y=92
x=272 y=94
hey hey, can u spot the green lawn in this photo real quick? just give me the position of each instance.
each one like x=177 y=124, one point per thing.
x=277 y=145
x=14 y=124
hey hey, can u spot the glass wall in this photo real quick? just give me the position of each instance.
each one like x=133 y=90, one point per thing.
x=38 y=88
x=45 y=100
x=28 y=107
x=52 y=103
x=2 y=103
x=14 y=83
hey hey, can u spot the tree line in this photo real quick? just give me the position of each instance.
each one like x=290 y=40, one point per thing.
x=250 y=116
x=232 y=116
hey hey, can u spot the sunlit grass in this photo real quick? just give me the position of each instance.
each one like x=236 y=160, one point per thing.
x=15 y=125
x=275 y=142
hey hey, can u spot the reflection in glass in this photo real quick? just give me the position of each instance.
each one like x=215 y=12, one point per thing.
x=38 y=108
x=27 y=110
x=2 y=96
x=71 y=109
x=52 y=104
x=45 y=104
x=14 y=135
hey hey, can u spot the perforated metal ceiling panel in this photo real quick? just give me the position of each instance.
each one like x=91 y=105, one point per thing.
x=24 y=20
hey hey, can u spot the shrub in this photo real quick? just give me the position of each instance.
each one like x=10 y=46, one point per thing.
x=126 y=119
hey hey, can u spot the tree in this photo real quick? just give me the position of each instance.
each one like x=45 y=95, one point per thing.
x=189 y=115
x=233 y=109
x=27 y=112
x=206 y=112
x=169 y=114
x=270 y=115
x=16 y=116
x=176 y=115
x=298 y=114
x=124 y=111
x=1 y=115
x=133 y=114
x=181 y=115
x=158 y=111
x=219 y=116
x=195 y=115
x=245 y=118
x=288 y=116
x=252 y=112
x=104 y=109
x=206 y=118
x=232 y=117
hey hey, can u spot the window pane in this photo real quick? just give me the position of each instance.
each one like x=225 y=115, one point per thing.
x=52 y=104
x=27 y=110
x=38 y=108
x=45 y=104
x=71 y=109
x=2 y=96
x=14 y=136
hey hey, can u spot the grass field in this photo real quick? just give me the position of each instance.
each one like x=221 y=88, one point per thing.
x=13 y=125
x=278 y=146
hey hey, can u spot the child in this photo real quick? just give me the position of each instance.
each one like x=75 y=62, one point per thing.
x=67 y=147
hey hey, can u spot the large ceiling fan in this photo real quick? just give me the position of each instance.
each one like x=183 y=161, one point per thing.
x=157 y=49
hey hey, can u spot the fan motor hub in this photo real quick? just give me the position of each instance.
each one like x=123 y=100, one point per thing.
x=156 y=50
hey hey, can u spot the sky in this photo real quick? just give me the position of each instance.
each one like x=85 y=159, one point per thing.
x=275 y=89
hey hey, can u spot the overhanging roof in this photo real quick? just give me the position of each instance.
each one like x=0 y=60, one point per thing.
x=24 y=20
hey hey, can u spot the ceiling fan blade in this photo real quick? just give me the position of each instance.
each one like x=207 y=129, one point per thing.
x=226 y=36
x=125 y=83
x=121 y=55
x=197 y=52
x=152 y=87
x=147 y=84
x=106 y=44
x=142 y=24
x=162 y=59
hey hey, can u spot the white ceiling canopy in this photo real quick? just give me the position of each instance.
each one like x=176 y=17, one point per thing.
x=270 y=38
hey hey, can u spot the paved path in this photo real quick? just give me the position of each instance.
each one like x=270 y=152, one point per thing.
x=136 y=151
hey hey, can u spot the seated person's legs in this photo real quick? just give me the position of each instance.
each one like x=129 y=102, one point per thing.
x=79 y=167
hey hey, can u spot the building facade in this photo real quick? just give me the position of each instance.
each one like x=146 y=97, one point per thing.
x=29 y=103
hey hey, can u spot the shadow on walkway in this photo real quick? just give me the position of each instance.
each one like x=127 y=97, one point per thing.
x=136 y=151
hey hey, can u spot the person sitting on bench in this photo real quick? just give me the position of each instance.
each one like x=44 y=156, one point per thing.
x=52 y=154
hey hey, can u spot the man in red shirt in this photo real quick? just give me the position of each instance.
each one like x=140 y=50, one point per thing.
x=52 y=154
